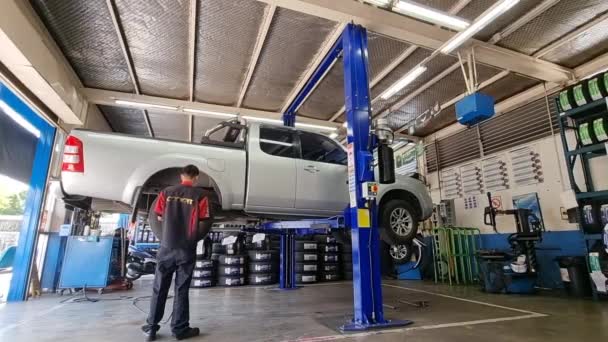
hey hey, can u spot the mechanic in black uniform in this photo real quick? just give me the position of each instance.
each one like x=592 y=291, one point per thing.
x=179 y=208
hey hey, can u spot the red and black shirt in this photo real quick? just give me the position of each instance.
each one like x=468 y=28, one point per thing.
x=181 y=207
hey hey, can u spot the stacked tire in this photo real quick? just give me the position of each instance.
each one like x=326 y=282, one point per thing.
x=329 y=259
x=307 y=261
x=232 y=270
x=204 y=274
x=347 y=262
x=263 y=267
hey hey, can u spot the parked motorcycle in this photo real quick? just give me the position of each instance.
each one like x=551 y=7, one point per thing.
x=140 y=262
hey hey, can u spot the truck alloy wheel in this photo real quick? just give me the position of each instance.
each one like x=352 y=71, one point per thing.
x=399 y=222
x=401 y=254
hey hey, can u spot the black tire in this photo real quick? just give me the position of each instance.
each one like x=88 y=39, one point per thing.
x=232 y=270
x=401 y=254
x=263 y=267
x=302 y=267
x=204 y=264
x=330 y=268
x=262 y=279
x=199 y=283
x=329 y=257
x=325 y=239
x=347 y=257
x=231 y=281
x=330 y=276
x=218 y=248
x=203 y=273
x=232 y=259
x=306 y=246
x=329 y=248
x=306 y=278
x=262 y=256
x=398 y=233
x=307 y=257
x=348 y=275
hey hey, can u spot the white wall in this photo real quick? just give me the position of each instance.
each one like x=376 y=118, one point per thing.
x=554 y=183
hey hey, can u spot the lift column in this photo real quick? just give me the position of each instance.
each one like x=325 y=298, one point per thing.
x=367 y=284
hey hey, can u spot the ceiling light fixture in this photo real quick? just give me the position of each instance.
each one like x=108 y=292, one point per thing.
x=380 y=3
x=345 y=124
x=333 y=135
x=208 y=112
x=482 y=21
x=280 y=122
x=143 y=104
x=432 y=15
x=407 y=79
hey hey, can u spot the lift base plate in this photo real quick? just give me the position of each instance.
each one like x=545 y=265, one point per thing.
x=374 y=326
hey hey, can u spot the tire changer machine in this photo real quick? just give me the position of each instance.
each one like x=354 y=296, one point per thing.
x=514 y=272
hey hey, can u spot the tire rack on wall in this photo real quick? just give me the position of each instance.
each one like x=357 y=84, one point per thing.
x=571 y=120
x=362 y=214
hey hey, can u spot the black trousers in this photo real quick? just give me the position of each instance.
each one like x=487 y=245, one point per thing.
x=169 y=261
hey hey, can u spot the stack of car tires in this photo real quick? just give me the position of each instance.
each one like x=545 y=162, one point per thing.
x=307 y=261
x=232 y=270
x=204 y=274
x=263 y=267
x=329 y=259
x=347 y=262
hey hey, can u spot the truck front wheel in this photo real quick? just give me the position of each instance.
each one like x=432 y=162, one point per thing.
x=398 y=222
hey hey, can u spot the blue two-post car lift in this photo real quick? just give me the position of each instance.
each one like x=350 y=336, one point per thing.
x=361 y=215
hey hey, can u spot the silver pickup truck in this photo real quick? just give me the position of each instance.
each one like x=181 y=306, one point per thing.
x=259 y=170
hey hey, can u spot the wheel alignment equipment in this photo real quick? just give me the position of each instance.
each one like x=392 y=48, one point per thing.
x=362 y=214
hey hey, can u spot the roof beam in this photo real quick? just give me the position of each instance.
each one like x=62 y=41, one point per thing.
x=394 y=64
x=570 y=36
x=256 y=52
x=426 y=35
x=191 y=60
x=329 y=43
x=108 y=98
x=32 y=56
x=125 y=51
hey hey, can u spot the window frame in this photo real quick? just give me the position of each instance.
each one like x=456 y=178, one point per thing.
x=299 y=133
x=294 y=137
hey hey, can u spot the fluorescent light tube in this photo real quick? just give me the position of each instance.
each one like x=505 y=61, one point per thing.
x=333 y=135
x=379 y=3
x=208 y=112
x=345 y=124
x=407 y=79
x=481 y=22
x=434 y=16
x=325 y=128
x=305 y=125
x=143 y=104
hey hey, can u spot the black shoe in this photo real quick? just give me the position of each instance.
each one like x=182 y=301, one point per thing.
x=149 y=333
x=189 y=332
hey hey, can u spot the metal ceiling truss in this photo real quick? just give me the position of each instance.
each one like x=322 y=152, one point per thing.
x=425 y=35
x=538 y=10
x=329 y=43
x=107 y=97
x=125 y=50
x=394 y=64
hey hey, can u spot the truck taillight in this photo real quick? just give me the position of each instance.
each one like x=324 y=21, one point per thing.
x=73 y=160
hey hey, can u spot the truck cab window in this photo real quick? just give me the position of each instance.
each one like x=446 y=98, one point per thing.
x=277 y=142
x=319 y=148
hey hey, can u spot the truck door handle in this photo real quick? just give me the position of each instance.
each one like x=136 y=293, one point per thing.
x=311 y=169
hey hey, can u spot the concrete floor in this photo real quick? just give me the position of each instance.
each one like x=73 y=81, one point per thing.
x=313 y=313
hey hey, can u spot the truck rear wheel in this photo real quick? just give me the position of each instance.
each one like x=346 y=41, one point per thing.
x=398 y=222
